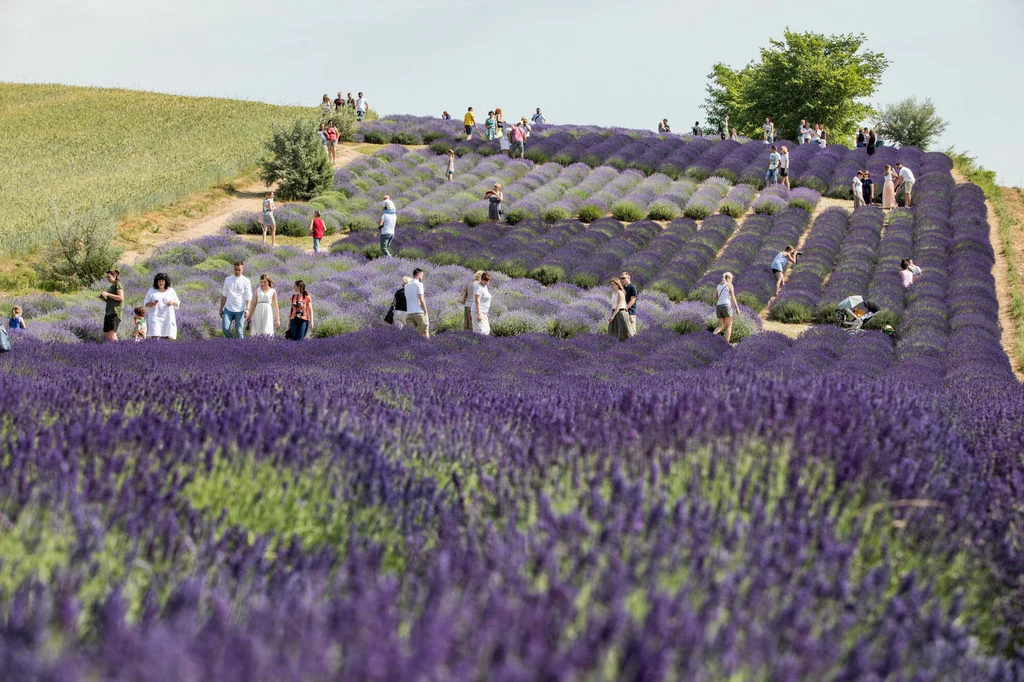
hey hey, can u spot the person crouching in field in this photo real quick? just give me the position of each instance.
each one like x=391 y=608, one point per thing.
x=140 y=324
x=17 y=322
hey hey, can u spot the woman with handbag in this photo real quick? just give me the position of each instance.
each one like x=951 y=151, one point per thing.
x=494 y=198
x=398 y=305
x=300 y=320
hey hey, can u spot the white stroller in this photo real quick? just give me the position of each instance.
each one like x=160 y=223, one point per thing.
x=853 y=311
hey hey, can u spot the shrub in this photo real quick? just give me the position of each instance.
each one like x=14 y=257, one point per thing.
x=698 y=173
x=628 y=211
x=732 y=210
x=440 y=146
x=729 y=175
x=516 y=215
x=376 y=137
x=432 y=136
x=790 y=312
x=82 y=252
x=670 y=170
x=361 y=222
x=473 y=262
x=334 y=326
x=436 y=217
x=556 y=213
x=674 y=292
x=824 y=314
x=697 y=211
x=807 y=204
x=687 y=327
x=880 y=319
x=562 y=159
x=536 y=155
x=460 y=150
x=548 y=274
x=591 y=160
x=663 y=210
x=475 y=216
x=566 y=329
x=741 y=329
x=703 y=294
x=486 y=151
x=514 y=324
x=297 y=162
x=405 y=137
x=585 y=280
x=766 y=207
x=589 y=213
x=748 y=299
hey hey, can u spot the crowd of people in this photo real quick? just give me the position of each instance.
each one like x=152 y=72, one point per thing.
x=341 y=103
x=894 y=180
x=511 y=136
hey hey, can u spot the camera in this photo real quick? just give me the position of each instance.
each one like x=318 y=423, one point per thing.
x=799 y=253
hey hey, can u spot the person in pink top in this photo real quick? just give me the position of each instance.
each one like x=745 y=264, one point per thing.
x=316 y=228
x=518 y=137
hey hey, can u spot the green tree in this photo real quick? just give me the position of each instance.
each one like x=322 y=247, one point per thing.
x=805 y=76
x=297 y=162
x=911 y=123
x=83 y=249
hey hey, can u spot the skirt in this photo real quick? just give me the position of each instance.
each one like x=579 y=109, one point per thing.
x=482 y=326
x=494 y=210
x=468 y=318
x=619 y=327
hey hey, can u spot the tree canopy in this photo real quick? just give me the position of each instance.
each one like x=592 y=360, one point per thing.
x=809 y=76
x=911 y=123
x=298 y=162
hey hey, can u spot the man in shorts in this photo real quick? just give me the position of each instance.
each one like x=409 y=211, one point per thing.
x=416 y=305
x=518 y=137
x=469 y=120
x=388 y=219
x=631 y=296
x=907 y=181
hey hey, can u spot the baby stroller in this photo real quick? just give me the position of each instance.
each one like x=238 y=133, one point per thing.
x=853 y=311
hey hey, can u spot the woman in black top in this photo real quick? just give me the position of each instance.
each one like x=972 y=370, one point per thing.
x=399 y=303
x=868 y=187
x=871 y=143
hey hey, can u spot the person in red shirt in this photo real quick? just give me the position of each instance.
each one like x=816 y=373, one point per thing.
x=316 y=228
x=332 y=140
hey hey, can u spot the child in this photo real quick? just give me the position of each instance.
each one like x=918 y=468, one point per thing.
x=16 y=321
x=450 y=175
x=140 y=324
x=316 y=228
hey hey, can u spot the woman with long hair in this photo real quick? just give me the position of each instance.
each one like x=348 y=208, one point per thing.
x=263 y=312
x=300 y=320
x=726 y=306
x=467 y=297
x=401 y=307
x=889 y=189
x=482 y=305
x=114 y=296
x=494 y=199
x=267 y=219
x=161 y=301
x=618 y=322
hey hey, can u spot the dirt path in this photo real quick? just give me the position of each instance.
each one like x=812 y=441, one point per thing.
x=157 y=228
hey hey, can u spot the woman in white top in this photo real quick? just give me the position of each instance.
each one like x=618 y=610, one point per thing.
x=726 y=306
x=263 y=310
x=784 y=167
x=734 y=136
x=468 y=300
x=618 y=323
x=769 y=130
x=505 y=143
x=161 y=302
x=267 y=219
x=482 y=305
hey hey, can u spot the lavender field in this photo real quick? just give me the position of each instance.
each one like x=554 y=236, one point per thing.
x=547 y=503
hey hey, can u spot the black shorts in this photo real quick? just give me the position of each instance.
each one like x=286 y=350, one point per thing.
x=783 y=172
x=469 y=130
x=111 y=323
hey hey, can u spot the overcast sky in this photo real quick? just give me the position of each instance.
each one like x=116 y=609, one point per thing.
x=601 y=61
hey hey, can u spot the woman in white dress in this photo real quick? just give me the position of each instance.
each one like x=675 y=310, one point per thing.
x=161 y=302
x=263 y=310
x=482 y=305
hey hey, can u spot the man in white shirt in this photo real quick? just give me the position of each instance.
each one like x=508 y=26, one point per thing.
x=235 y=296
x=388 y=219
x=907 y=181
x=362 y=106
x=772 y=176
x=416 y=305
x=538 y=118
x=858 y=189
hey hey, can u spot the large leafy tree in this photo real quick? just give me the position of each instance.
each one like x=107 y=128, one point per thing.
x=297 y=162
x=911 y=123
x=804 y=76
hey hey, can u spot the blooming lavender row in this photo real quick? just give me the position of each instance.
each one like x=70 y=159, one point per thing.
x=701 y=250
x=758 y=287
x=736 y=257
x=886 y=289
x=799 y=297
x=857 y=257
x=777 y=197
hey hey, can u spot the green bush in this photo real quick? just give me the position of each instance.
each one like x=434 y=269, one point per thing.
x=589 y=213
x=441 y=258
x=628 y=211
x=663 y=210
x=536 y=155
x=750 y=300
x=460 y=150
x=733 y=210
x=790 y=312
x=334 y=326
x=405 y=137
x=548 y=274
x=686 y=327
x=562 y=329
x=82 y=251
x=616 y=163
x=814 y=183
x=297 y=162
x=516 y=215
x=432 y=136
x=449 y=322
x=474 y=263
x=346 y=246
x=486 y=151
x=697 y=212
x=591 y=160
x=513 y=324
x=585 y=280
x=562 y=159
x=672 y=291
x=806 y=204
x=824 y=313
x=880 y=319
x=703 y=294
x=436 y=217
x=475 y=216
x=698 y=174
x=556 y=213
x=361 y=222
x=740 y=328
x=765 y=208
x=669 y=170
x=441 y=146
x=376 y=137
x=727 y=174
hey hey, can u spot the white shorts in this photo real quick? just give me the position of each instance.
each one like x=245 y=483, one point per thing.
x=908 y=187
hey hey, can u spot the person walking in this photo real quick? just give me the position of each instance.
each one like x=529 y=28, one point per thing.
x=538 y=118
x=416 y=305
x=263 y=311
x=618 y=321
x=470 y=123
x=906 y=274
x=869 y=188
x=482 y=305
x=388 y=220
x=784 y=166
x=161 y=301
x=872 y=141
x=862 y=138
x=16 y=321
x=500 y=118
x=889 y=189
x=505 y=143
x=317 y=229
x=300 y=318
x=399 y=304
x=495 y=198
x=449 y=175
x=697 y=132
x=322 y=131
x=350 y=102
x=857 y=188
x=906 y=180
x=332 y=141
x=769 y=130
x=114 y=296
x=772 y=176
x=725 y=307
x=339 y=102
x=325 y=106
x=235 y=295
x=362 y=106
x=267 y=220
x=467 y=298
x=721 y=129
x=490 y=126
x=631 y=296
x=518 y=137
x=779 y=263
x=801 y=130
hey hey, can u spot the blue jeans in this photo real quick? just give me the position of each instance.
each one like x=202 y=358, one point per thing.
x=229 y=316
x=297 y=329
x=772 y=176
x=316 y=245
x=385 y=244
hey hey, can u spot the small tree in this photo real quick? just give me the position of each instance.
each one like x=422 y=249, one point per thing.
x=83 y=250
x=297 y=162
x=911 y=123
x=345 y=121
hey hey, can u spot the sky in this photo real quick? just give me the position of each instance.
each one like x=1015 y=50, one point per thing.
x=604 y=62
